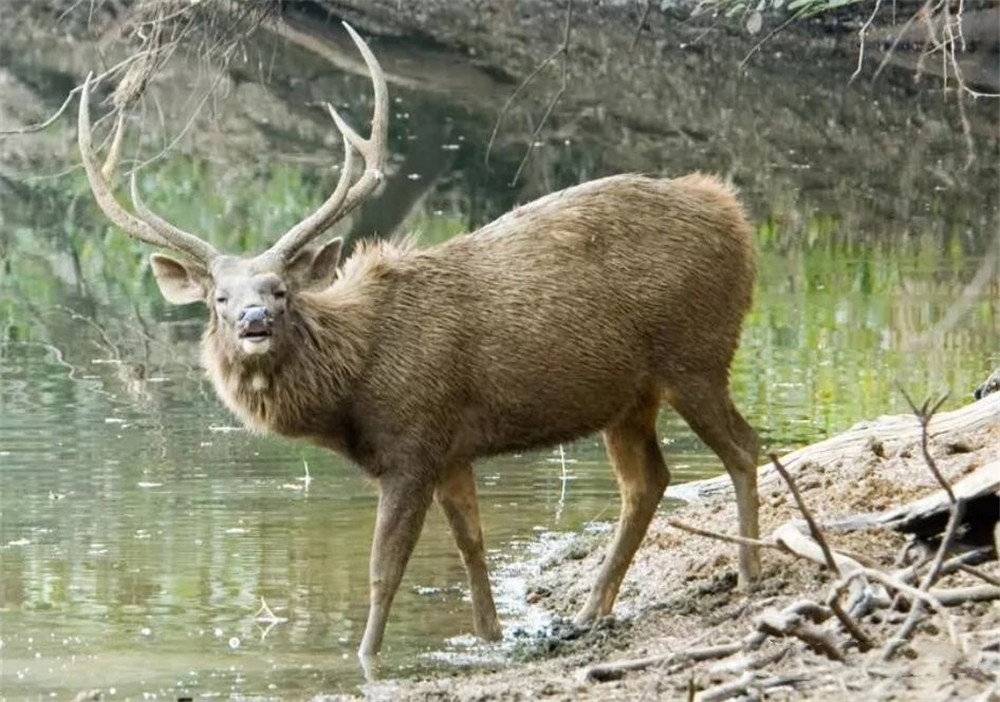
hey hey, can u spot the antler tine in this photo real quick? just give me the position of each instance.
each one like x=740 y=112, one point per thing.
x=155 y=231
x=372 y=149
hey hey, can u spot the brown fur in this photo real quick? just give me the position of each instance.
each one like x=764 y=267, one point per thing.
x=572 y=314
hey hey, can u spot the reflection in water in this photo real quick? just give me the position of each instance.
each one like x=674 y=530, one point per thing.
x=140 y=531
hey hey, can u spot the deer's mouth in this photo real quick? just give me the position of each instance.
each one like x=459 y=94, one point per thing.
x=256 y=330
x=255 y=334
x=255 y=337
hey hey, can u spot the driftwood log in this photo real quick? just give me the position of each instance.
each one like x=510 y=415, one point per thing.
x=891 y=432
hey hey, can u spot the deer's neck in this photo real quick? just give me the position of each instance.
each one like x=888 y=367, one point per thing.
x=299 y=389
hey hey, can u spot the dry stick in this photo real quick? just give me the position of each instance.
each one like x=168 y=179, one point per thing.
x=895 y=42
x=952 y=597
x=957 y=512
x=40 y=126
x=744 y=663
x=604 y=672
x=923 y=415
x=642 y=22
x=976 y=572
x=818 y=640
x=731 y=538
x=768 y=37
x=563 y=49
x=814 y=529
x=915 y=593
x=862 y=34
x=745 y=684
x=965 y=559
x=864 y=641
x=727 y=690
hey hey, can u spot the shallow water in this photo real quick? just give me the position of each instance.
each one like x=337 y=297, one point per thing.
x=141 y=530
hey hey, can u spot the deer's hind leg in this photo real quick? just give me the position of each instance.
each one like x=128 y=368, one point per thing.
x=706 y=405
x=456 y=495
x=642 y=479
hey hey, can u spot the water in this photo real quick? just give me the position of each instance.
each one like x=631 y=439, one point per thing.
x=141 y=531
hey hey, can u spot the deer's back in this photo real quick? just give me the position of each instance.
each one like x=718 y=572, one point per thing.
x=548 y=322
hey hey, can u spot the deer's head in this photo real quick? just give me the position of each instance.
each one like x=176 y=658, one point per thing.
x=249 y=297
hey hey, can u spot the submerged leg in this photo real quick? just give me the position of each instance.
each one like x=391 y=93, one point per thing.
x=708 y=408
x=642 y=479
x=402 y=506
x=456 y=495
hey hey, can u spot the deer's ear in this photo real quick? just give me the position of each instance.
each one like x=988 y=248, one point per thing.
x=316 y=268
x=180 y=283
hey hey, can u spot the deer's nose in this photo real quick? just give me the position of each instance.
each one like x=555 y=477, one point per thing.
x=251 y=315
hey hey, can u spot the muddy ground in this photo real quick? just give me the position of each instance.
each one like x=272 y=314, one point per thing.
x=681 y=593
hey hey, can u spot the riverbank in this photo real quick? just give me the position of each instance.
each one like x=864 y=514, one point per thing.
x=680 y=593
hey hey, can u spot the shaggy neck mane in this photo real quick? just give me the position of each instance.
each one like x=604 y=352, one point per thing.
x=290 y=390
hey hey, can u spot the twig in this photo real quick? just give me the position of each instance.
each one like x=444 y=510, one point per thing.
x=914 y=593
x=184 y=130
x=957 y=512
x=604 y=672
x=727 y=690
x=814 y=529
x=40 y=126
x=642 y=22
x=742 y=663
x=563 y=51
x=768 y=37
x=862 y=34
x=792 y=621
x=731 y=538
x=789 y=535
x=924 y=414
x=952 y=597
x=865 y=642
x=745 y=684
x=967 y=559
x=896 y=41
x=976 y=572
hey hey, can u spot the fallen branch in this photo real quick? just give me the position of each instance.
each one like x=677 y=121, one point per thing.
x=953 y=597
x=789 y=535
x=814 y=529
x=924 y=415
x=893 y=432
x=605 y=672
x=563 y=51
x=744 y=685
x=731 y=538
x=793 y=622
x=912 y=592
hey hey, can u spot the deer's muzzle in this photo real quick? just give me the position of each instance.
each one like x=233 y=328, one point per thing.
x=254 y=328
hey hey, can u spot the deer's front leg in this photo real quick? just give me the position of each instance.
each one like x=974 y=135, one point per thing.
x=456 y=493
x=402 y=506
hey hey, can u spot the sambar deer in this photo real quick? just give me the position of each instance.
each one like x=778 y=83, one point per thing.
x=578 y=312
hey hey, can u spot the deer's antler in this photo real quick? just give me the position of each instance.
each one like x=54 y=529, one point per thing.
x=147 y=226
x=152 y=229
x=345 y=196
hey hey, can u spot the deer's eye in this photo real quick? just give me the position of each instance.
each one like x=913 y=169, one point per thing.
x=221 y=299
x=279 y=294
